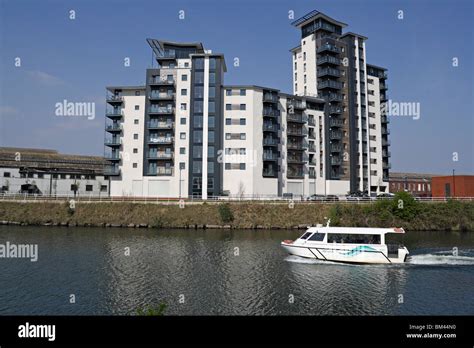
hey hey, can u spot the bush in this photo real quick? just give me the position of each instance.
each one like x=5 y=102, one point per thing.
x=153 y=311
x=335 y=214
x=404 y=206
x=226 y=213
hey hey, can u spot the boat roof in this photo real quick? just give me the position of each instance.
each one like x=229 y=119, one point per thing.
x=356 y=230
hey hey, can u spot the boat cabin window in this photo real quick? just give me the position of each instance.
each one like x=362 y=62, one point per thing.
x=354 y=238
x=317 y=237
x=306 y=235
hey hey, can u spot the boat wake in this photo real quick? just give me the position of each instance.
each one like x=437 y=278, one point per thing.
x=298 y=259
x=438 y=259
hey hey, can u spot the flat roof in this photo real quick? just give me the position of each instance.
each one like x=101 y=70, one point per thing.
x=314 y=15
x=112 y=88
x=356 y=230
x=350 y=33
x=376 y=67
x=157 y=45
x=295 y=48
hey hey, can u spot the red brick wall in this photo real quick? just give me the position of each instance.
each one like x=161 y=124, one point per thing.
x=464 y=185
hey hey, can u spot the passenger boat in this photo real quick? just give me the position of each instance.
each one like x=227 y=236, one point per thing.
x=347 y=244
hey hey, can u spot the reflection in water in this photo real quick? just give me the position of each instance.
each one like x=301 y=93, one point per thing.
x=225 y=272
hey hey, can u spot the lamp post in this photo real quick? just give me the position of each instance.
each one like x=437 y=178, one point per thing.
x=454 y=184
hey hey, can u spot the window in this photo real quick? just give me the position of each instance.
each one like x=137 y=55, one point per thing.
x=199 y=63
x=184 y=91
x=182 y=135
x=74 y=187
x=6 y=175
x=197 y=167
x=135 y=136
x=243 y=107
x=304 y=55
x=186 y=65
x=182 y=151
x=211 y=121
x=212 y=77
x=198 y=121
x=134 y=165
x=137 y=93
x=210 y=151
x=40 y=175
x=184 y=77
x=212 y=92
x=242 y=166
x=228 y=121
x=137 y=107
x=354 y=238
x=183 y=106
x=182 y=165
x=317 y=237
x=135 y=121
x=198 y=106
x=242 y=92
x=199 y=77
x=89 y=188
x=103 y=188
x=228 y=106
x=183 y=120
x=212 y=63
x=197 y=136
x=210 y=136
x=135 y=150
x=197 y=151
x=212 y=107
x=199 y=92
x=210 y=167
x=228 y=92
x=242 y=121
x=242 y=136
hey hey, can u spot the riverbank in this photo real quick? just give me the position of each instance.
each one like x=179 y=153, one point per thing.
x=452 y=215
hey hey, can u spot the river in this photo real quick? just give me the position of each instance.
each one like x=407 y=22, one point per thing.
x=225 y=272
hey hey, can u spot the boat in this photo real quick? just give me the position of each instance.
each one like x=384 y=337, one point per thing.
x=348 y=245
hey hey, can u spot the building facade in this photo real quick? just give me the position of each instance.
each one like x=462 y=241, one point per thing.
x=47 y=172
x=419 y=185
x=449 y=186
x=332 y=65
x=185 y=133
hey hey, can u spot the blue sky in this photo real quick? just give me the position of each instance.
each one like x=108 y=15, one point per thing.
x=76 y=59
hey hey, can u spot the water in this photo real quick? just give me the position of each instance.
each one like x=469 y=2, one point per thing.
x=202 y=268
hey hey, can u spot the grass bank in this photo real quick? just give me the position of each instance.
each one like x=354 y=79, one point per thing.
x=411 y=215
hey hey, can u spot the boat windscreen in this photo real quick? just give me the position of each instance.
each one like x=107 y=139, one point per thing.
x=305 y=235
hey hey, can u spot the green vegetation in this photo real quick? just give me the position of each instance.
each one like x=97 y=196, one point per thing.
x=153 y=311
x=225 y=213
x=402 y=211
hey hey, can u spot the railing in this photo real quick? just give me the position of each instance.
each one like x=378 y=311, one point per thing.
x=270 y=141
x=336 y=148
x=112 y=171
x=161 y=110
x=167 y=54
x=328 y=59
x=331 y=97
x=335 y=123
x=271 y=112
x=112 y=141
x=335 y=161
x=269 y=173
x=160 y=125
x=103 y=197
x=160 y=155
x=112 y=157
x=384 y=119
x=297 y=104
x=335 y=110
x=162 y=96
x=386 y=165
x=296 y=132
x=335 y=135
x=161 y=81
x=328 y=47
x=113 y=112
x=296 y=146
x=330 y=84
x=386 y=153
x=112 y=98
x=311 y=122
x=329 y=71
x=161 y=171
x=270 y=127
x=160 y=140
x=385 y=142
x=385 y=131
x=296 y=118
x=270 y=156
x=270 y=98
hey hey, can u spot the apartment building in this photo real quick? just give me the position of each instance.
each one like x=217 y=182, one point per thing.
x=185 y=133
x=332 y=65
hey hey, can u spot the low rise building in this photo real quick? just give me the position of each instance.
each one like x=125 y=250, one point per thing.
x=453 y=186
x=47 y=172
x=419 y=185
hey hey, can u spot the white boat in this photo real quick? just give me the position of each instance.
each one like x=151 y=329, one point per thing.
x=347 y=244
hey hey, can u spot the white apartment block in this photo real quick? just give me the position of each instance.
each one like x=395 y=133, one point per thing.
x=186 y=134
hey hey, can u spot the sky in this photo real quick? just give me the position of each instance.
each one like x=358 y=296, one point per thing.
x=74 y=59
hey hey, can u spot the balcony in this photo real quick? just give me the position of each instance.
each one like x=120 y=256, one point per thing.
x=296 y=118
x=296 y=132
x=335 y=110
x=336 y=161
x=299 y=146
x=111 y=170
x=270 y=98
x=331 y=97
x=113 y=128
x=161 y=171
x=384 y=119
x=270 y=127
x=329 y=72
x=112 y=142
x=113 y=113
x=312 y=136
x=112 y=157
x=160 y=125
x=297 y=105
x=386 y=153
x=159 y=155
x=269 y=173
x=270 y=142
x=296 y=160
x=335 y=148
x=270 y=156
x=161 y=96
x=161 y=110
x=335 y=135
x=328 y=48
x=294 y=173
x=167 y=55
x=114 y=99
x=267 y=112
x=330 y=84
x=383 y=86
x=160 y=140
x=386 y=165
x=333 y=122
x=312 y=148
x=385 y=131
x=311 y=122
x=161 y=82
x=328 y=60
x=312 y=162
x=385 y=142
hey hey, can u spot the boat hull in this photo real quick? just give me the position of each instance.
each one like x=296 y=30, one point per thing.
x=359 y=254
